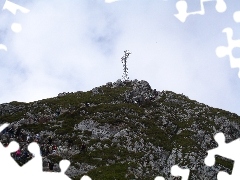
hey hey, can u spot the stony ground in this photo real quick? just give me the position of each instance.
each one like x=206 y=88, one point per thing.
x=130 y=131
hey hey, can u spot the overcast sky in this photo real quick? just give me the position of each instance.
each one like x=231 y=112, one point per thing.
x=72 y=45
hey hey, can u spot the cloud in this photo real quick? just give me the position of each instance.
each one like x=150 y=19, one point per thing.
x=73 y=46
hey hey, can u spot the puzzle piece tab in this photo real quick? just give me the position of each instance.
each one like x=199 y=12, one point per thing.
x=228 y=150
x=13 y=8
x=111 y=1
x=222 y=51
x=33 y=169
x=177 y=171
x=182 y=6
x=3 y=47
x=7 y=162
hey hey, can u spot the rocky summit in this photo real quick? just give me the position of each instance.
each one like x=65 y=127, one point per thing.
x=121 y=130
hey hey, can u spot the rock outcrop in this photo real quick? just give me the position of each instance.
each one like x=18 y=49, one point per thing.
x=122 y=127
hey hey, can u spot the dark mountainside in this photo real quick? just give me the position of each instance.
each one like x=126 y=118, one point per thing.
x=130 y=132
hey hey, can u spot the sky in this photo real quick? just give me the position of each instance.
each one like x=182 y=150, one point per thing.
x=69 y=46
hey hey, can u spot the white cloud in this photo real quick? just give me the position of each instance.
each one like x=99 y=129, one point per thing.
x=73 y=46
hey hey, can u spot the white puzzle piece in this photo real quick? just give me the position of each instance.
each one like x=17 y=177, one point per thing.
x=32 y=169
x=16 y=27
x=182 y=7
x=228 y=150
x=177 y=171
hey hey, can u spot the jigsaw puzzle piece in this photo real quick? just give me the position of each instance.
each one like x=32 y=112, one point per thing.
x=12 y=7
x=35 y=164
x=182 y=7
x=177 y=171
x=8 y=164
x=221 y=6
x=16 y=27
x=223 y=176
x=182 y=10
x=3 y=47
x=64 y=164
x=86 y=178
x=110 y=1
x=222 y=51
x=220 y=139
x=159 y=178
x=236 y=16
x=34 y=169
x=228 y=150
x=3 y=126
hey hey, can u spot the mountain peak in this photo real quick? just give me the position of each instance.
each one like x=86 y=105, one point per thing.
x=126 y=127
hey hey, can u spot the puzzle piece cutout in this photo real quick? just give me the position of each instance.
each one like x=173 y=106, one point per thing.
x=16 y=27
x=110 y=1
x=229 y=150
x=8 y=163
x=3 y=47
x=182 y=7
x=177 y=171
x=159 y=178
x=12 y=7
x=222 y=51
x=10 y=169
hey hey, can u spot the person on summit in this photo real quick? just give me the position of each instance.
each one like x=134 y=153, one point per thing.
x=42 y=150
x=17 y=154
x=49 y=140
x=28 y=138
x=54 y=148
x=37 y=138
x=11 y=132
x=50 y=166
x=47 y=152
x=70 y=143
x=83 y=147
x=25 y=155
x=18 y=132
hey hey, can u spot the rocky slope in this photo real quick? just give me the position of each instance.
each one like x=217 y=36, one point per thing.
x=130 y=131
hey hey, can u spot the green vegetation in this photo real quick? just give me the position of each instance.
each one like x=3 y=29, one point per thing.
x=115 y=171
x=166 y=122
x=227 y=163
